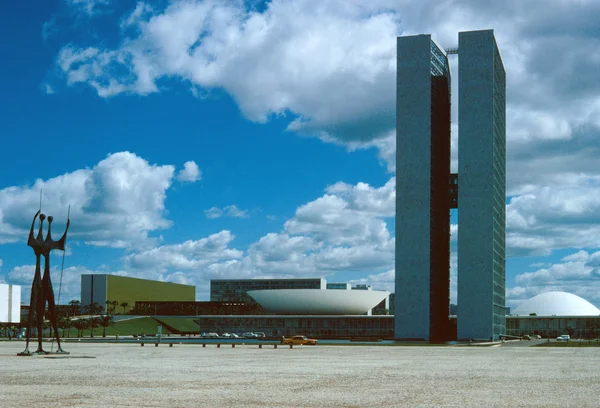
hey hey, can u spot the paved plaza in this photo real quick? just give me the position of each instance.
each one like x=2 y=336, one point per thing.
x=127 y=375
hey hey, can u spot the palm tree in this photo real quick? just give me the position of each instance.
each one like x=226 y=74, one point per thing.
x=65 y=322
x=111 y=305
x=75 y=307
x=105 y=321
x=93 y=309
x=114 y=305
x=80 y=325
x=124 y=305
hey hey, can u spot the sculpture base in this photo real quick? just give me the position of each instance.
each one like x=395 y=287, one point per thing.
x=28 y=353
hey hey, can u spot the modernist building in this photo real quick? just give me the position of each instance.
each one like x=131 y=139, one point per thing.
x=312 y=326
x=422 y=199
x=426 y=190
x=285 y=307
x=552 y=314
x=10 y=303
x=100 y=288
x=234 y=290
x=481 y=186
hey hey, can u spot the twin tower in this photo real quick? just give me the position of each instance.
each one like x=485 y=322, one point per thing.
x=426 y=190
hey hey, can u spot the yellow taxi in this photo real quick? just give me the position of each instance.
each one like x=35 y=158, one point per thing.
x=299 y=340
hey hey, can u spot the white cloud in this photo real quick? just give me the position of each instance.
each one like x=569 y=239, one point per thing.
x=190 y=255
x=228 y=211
x=378 y=281
x=49 y=28
x=548 y=218
x=581 y=256
x=577 y=273
x=49 y=89
x=117 y=203
x=213 y=212
x=190 y=172
x=347 y=215
x=142 y=10
x=71 y=281
x=214 y=44
x=300 y=251
x=331 y=68
x=88 y=7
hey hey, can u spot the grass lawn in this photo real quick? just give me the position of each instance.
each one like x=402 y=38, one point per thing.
x=180 y=325
x=141 y=325
x=570 y=343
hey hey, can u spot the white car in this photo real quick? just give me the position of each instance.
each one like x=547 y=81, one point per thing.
x=563 y=337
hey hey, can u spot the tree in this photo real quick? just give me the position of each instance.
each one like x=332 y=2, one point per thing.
x=80 y=324
x=93 y=310
x=105 y=321
x=65 y=323
x=74 y=307
x=124 y=305
x=111 y=306
x=114 y=305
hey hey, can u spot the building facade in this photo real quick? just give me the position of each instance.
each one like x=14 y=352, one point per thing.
x=422 y=199
x=10 y=303
x=482 y=187
x=100 y=287
x=585 y=327
x=426 y=190
x=312 y=326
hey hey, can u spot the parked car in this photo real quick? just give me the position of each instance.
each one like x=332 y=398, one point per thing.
x=234 y=336
x=227 y=335
x=249 y=335
x=525 y=337
x=563 y=337
x=299 y=340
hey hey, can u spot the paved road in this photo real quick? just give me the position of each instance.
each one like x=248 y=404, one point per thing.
x=127 y=375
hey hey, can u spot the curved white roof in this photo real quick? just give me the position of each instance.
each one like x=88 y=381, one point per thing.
x=557 y=304
x=318 y=301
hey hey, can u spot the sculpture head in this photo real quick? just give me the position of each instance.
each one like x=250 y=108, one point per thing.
x=42 y=217
x=50 y=218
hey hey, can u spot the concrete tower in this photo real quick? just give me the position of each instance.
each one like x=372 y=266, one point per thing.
x=482 y=187
x=426 y=190
x=422 y=200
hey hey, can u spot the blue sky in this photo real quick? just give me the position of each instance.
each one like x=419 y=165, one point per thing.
x=197 y=140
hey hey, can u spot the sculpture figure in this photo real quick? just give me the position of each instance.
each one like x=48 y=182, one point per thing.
x=41 y=287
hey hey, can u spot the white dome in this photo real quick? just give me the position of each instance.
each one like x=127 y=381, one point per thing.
x=318 y=301
x=556 y=304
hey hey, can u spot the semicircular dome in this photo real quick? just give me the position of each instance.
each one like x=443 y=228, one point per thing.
x=556 y=304
x=318 y=301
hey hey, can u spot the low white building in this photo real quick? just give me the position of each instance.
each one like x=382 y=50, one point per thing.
x=10 y=303
x=552 y=314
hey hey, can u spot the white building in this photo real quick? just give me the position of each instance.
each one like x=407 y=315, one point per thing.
x=552 y=314
x=10 y=303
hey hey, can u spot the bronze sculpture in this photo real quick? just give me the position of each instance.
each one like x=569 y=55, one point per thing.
x=41 y=287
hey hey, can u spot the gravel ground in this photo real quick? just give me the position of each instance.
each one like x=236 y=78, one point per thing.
x=127 y=375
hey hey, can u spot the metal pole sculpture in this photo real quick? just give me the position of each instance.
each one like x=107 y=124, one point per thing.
x=41 y=288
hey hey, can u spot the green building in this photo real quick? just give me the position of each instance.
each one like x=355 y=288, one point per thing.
x=101 y=288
